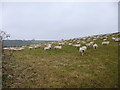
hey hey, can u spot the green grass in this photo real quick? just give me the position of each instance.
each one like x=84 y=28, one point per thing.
x=64 y=68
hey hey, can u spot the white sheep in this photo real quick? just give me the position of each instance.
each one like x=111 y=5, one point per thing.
x=58 y=47
x=47 y=48
x=82 y=49
x=37 y=46
x=77 y=45
x=113 y=38
x=30 y=47
x=95 y=46
x=94 y=39
x=49 y=45
x=62 y=43
x=104 y=39
x=70 y=44
x=5 y=48
x=83 y=42
x=105 y=43
x=19 y=49
x=117 y=39
x=88 y=44
x=91 y=43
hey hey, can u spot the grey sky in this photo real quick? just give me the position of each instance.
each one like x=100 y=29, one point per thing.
x=54 y=21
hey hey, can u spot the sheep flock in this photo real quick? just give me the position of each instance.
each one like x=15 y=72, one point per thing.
x=82 y=43
x=82 y=62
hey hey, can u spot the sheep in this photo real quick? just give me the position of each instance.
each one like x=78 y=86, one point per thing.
x=88 y=39
x=47 y=48
x=58 y=47
x=77 y=45
x=19 y=49
x=88 y=44
x=5 y=48
x=82 y=49
x=49 y=45
x=95 y=46
x=30 y=48
x=117 y=39
x=62 y=43
x=104 y=39
x=94 y=39
x=105 y=43
x=83 y=42
x=36 y=46
x=12 y=49
x=91 y=43
x=113 y=38
x=70 y=44
x=84 y=38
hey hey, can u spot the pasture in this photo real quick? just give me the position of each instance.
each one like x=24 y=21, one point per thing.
x=65 y=68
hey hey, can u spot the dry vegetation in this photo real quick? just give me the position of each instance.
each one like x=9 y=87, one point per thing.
x=64 y=68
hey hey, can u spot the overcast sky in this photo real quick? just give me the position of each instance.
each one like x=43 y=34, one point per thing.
x=56 y=21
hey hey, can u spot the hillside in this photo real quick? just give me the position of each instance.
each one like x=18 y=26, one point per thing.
x=65 y=68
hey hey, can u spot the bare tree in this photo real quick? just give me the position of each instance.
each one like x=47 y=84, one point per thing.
x=3 y=36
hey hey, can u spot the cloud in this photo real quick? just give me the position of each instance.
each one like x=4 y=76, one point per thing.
x=59 y=20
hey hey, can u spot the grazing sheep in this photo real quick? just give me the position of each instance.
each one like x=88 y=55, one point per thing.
x=70 y=44
x=5 y=48
x=58 y=47
x=62 y=43
x=88 y=39
x=82 y=49
x=30 y=48
x=77 y=45
x=19 y=49
x=113 y=38
x=94 y=39
x=117 y=39
x=83 y=42
x=36 y=46
x=12 y=49
x=95 y=46
x=47 y=48
x=88 y=44
x=104 y=39
x=49 y=45
x=105 y=43
x=91 y=43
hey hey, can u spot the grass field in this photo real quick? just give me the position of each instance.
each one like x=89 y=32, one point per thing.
x=64 y=68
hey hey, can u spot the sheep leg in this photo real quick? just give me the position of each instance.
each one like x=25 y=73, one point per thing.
x=82 y=54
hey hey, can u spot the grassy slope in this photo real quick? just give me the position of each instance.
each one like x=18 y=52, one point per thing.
x=63 y=68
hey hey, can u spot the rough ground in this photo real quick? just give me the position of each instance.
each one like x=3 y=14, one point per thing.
x=64 y=68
